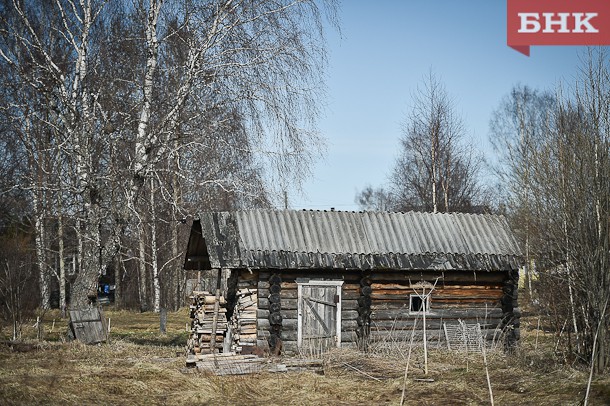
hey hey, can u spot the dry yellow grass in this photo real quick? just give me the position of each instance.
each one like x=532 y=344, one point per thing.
x=141 y=367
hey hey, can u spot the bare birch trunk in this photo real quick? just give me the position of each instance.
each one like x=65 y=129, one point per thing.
x=154 y=257
x=62 y=264
x=43 y=280
x=117 y=281
x=142 y=270
x=176 y=268
x=433 y=163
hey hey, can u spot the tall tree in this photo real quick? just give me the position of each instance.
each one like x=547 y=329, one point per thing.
x=517 y=127
x=131 y=93
x=436 y=170
x=564 y=178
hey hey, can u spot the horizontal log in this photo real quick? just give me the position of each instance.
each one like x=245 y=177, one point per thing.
x=289 y=304
x=289 y=335
x=289 y=285
x=468 y=313
x=349 y=325
x=437 y=338
x=350 y=294
x=263 y=284
x=349 y=314
x=439 y=287
x=247 y=275
x=290 y=347
x=292 y=275
x=349 y=304
x=445 y=276
x=398 y=294
x=263 y=303
x=286 y=324
x=460 y=293
x=262 y=334
x=285 y=294
x=286 y=304
x=289 y=314
x=346 y=314
x=403 y=337
x=431 y=324
x=459 y=303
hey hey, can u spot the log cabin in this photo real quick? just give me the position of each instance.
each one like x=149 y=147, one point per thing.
x=304 y=281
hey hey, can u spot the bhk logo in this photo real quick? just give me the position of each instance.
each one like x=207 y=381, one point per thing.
x=557 y=22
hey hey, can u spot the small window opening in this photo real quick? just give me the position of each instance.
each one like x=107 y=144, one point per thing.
x=419 y=303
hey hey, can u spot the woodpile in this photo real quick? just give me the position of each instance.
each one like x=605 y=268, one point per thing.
x=202 y=321
x=243 y=321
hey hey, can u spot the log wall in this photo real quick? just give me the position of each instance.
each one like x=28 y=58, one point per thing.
x=472 y=297
x=375 y=305
x=288 y=305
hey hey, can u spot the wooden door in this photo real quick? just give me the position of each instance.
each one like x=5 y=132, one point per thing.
x=319 y=316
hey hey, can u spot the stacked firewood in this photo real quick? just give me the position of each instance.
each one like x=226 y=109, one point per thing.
x=202 y=320
x=243 y=321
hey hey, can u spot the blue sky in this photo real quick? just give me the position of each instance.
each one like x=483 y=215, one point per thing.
x=384 y=51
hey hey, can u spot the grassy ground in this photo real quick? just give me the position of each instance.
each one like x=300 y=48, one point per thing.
x=140 y=366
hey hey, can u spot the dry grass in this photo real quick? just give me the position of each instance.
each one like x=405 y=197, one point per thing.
x=140 y=366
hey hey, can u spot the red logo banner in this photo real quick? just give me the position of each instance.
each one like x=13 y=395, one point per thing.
x=557 y=22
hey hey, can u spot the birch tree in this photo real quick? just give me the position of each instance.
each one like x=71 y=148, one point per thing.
x=436 y=170
x=159 y=79
x=567 y=205
x=517 y=127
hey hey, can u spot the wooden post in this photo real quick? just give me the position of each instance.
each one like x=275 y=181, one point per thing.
x=491 y=394
x=38 y=328
x=425 y=309
x=163 y=320
x=198 y=275
x=216 y=308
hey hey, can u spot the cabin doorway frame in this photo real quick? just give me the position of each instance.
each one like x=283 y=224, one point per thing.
x=301 y=303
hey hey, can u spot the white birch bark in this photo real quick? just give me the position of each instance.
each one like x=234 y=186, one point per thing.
x=154 y=254
x=142 y=270
x=62 y=263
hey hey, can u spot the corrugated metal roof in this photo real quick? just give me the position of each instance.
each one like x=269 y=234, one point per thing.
x=339 y=239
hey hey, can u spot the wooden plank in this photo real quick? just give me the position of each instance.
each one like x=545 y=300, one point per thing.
x=88 y=325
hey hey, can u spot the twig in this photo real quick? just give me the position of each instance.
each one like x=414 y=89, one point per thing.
x=404 y=383
x=491 y=394
x=593 y=354
x=362 y=372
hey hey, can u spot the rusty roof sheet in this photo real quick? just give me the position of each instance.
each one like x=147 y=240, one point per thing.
x=353 y=240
